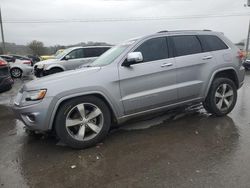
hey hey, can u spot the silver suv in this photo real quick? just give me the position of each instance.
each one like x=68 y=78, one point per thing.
x=137 y=77
x=70 y=58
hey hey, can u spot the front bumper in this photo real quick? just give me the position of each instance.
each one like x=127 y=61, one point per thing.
x=38 y=72
x=35 y=117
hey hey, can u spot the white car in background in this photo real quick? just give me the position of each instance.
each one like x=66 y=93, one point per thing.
x=18 y=68
x=69 y=59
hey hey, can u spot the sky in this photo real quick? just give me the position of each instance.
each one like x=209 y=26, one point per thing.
x=68 y=22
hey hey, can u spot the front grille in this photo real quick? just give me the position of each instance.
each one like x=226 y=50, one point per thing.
x=4 y=71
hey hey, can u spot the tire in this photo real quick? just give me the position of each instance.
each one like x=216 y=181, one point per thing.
x=72 y=135
x=16 y=72
x=53 y=71
x=221 y=98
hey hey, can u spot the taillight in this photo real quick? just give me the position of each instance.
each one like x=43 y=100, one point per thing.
x=27 y=62
x=3 y=63
x=241 y=55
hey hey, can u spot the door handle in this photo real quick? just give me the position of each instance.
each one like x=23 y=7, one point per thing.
x=207 y=57
x=167 y=64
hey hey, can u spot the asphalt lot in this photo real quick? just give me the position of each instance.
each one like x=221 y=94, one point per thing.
x=182 y=148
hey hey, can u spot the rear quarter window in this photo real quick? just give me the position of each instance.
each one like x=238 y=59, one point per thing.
x=211 y=43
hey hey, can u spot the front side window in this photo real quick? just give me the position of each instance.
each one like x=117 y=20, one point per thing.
x=76 y=54
x=211 y=43
x=154 y=49
x=186 y=45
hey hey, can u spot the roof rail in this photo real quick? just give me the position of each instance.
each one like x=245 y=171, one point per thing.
x=164 y=31
x=207 y=30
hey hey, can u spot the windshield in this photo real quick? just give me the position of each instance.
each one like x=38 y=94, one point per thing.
x=63 y=53
x=109 y=56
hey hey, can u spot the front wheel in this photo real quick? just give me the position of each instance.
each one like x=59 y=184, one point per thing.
x=83 y=122
x=222 y=97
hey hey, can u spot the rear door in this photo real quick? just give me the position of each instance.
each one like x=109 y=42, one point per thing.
x=193 y=66
x=151 y=83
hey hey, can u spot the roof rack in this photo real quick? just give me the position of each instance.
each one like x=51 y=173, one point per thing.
x=164 y=31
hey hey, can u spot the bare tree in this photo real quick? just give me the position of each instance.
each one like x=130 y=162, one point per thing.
x=37 y=47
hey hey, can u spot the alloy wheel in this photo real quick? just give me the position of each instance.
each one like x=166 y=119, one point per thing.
x=224 y=97
x=16 y=73
x=84 y=121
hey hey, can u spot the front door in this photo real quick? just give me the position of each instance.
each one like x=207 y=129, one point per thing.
x=151 y=83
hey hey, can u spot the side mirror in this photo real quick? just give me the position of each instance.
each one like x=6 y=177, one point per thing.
x=67 y=57
x=133 y=58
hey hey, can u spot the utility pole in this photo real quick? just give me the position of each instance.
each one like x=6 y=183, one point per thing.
x=1 y=25
x=248 y=34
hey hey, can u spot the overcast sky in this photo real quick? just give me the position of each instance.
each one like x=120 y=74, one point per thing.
x=88 y=16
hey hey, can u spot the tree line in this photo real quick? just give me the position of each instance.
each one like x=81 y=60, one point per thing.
x=36 y=47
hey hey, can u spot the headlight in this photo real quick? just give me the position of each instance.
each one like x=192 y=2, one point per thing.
x=35 y=95
x=32 y=97
x=40 y=66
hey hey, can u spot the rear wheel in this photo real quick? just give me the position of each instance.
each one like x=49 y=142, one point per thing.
x=222 y=97
x=16 y=72
x=83 y=122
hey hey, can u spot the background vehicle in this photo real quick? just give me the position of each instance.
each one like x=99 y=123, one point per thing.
x=8 y=58
x=144 y=75
x=34 y=58
x=5 y=79
x=46 y=57
x=27 y=60
x=13 y=58
x=69 y=59
x=247 y=64
x=18 y=68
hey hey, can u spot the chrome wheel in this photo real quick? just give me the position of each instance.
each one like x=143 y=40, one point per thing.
x=84 y=121
x=16 y=73
x=224 y=97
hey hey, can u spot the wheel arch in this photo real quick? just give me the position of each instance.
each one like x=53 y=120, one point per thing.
x=54 y=66
x=224 y=73
x=96 y=94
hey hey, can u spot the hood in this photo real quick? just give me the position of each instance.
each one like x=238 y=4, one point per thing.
x=60 y=78
x=46 y=62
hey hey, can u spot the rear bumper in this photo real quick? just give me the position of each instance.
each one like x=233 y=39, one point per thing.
x=241 y=76
x=28 y=71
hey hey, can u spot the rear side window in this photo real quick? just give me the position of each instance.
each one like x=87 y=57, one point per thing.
x=154 y=49
x=186 y=45
x=94 y=52
x=211 y=43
